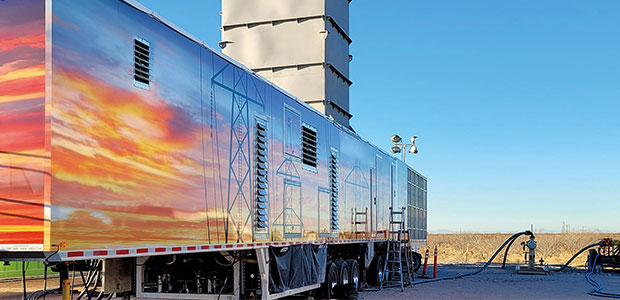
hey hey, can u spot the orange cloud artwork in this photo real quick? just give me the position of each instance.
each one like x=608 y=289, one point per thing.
x=24 y=161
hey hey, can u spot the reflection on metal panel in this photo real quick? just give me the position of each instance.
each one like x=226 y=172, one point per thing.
x=324 y=211
x=24 y=121
x=416 y=205
x=186 y=162
x=373 y=201
x=289 y=218
x=239 y=192
x=292 y=132
x=356 y=192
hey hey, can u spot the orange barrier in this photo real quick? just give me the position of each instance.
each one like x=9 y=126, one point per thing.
x=425 y=263
x=435 y=264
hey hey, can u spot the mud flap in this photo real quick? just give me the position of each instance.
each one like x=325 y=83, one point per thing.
x=296 y=266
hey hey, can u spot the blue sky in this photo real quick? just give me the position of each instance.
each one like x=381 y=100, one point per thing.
x=516 y=103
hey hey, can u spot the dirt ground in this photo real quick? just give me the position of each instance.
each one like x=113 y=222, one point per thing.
x=554 y=248
x=493 y=283
x=496 y=283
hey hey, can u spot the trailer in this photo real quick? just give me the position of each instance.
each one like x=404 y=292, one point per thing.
x=606 y=257
x=134 y=152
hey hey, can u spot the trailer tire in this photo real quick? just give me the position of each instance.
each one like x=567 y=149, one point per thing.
x=343 y=273
x=354 y=273
x=416 y=259
x=375 y=271
x=331 y=282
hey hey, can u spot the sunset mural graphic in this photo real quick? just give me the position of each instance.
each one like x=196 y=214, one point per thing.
x=24 y=161
x=107 y=164
x=128 y=163
x=132 y=166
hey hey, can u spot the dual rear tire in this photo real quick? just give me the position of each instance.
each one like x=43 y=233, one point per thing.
x=354 y=273
x=328 y=288
x=341 y=279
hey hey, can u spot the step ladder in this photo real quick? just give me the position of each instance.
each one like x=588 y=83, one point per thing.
x=360 y=223
x=397 y=266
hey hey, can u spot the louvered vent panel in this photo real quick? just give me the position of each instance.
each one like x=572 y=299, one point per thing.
x=308 y=150
x=261 y=179
x=333 y=176
x=142 y=63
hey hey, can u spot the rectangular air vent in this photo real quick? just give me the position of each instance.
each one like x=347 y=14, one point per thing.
x=308 y=149
x=333 y=178
x=261 y=229
x=142 y=63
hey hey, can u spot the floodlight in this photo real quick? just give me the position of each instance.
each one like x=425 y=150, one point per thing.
x=413 y=138
x=223 y=44
x=395 y=149
x=396 y=138
x=413 y=149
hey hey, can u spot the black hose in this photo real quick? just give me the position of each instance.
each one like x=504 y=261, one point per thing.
x=92 y=293
x=24 y=279
x=506 y=252
x=45 y=280
x=486 y=265
x=92 y=273
x=597 y=285
x=41 y=293
x=72 y=283
x=82 y=275
x=576 y=254
x=235 y=260
x=223 y=264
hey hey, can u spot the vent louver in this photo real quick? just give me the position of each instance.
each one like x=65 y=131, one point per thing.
x=142 y=63
x=261 y=181
x=333 y=175
x=308 y=150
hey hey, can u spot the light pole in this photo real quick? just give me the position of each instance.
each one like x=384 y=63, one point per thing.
x=402 y=147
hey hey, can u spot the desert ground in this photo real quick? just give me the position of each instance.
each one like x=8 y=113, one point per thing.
x=495 y=283
x=554 y=248
x=462 y=253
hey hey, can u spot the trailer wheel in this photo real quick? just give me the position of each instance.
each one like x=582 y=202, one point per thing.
x=331 y=281
x=354 y=273
x=416 y=258
x=375 y=271
x=343 y=273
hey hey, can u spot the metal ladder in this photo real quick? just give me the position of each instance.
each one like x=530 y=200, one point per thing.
x=360 y=218
x=397 y=266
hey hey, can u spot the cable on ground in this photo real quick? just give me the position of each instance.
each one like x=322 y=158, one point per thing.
x=574 y=256
x=598 y=287
x=486 y=265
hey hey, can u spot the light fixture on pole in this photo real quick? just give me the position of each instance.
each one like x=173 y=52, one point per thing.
x=402 y=147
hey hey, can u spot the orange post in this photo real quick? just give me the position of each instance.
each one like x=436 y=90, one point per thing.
x=425 y=263
x=435 y=264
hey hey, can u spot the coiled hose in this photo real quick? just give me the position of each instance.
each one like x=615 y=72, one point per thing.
x=486 y=265
x=597 y=285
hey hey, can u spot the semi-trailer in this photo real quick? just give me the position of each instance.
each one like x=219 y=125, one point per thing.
x=134 y=153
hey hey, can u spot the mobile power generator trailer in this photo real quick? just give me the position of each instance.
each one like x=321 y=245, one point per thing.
x=132 y=151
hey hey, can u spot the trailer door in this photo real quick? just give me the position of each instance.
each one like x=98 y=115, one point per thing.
x=376 y=194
